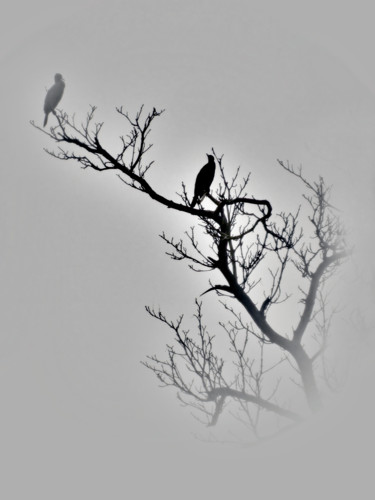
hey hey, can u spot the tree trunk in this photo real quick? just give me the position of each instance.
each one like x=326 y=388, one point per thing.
x=308 y=378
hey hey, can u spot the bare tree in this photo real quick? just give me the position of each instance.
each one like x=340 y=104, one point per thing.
x=250 y=252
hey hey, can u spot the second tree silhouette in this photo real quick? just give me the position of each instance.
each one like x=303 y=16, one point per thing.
x=204 y=180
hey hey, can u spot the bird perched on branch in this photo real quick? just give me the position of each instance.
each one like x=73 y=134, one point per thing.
x=53 y=96
x=204 y=180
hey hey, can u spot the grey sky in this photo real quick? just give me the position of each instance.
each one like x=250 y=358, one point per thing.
x=80 y=417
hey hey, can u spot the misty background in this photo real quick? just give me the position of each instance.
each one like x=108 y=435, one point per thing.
x=81 y=257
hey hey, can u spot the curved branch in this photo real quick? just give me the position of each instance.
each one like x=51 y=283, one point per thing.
x=251 y=201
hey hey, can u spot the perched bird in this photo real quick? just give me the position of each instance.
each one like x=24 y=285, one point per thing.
x=53 y=96
x=204 y=180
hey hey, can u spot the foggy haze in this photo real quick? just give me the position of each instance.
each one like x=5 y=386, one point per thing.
x=81 y=257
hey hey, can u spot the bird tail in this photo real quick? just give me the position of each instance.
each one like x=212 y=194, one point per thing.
x=45 y=120
x=194 y=202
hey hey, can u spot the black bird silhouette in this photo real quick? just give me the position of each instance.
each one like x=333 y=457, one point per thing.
x=53 y=96
x=204 y=180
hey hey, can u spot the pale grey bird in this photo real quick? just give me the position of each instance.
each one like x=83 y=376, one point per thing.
x=53 y=96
